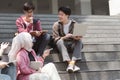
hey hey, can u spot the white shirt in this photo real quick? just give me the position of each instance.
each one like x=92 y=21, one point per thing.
x=66 y=27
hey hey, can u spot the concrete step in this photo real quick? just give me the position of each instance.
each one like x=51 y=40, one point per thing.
x=8 y=22
x=91 y=66
x=100 y=47
x=104 y=27
x=94 y=75
x=50 y=15
x=47 y=26
x=53 y=19
x=103 y=31
x=89 y=31
x=92 y=23
x=6 y=40
x=67 y=76
x=4 y=26
x=100 y=23
x=102 y=35
x=88 y=56
x=8 y=30
x=88 y=38
x=6 y=35
x=91 y=27
x=101 y=40
x=98 y=20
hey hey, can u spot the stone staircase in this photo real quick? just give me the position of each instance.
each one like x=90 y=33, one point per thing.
x=101 y=52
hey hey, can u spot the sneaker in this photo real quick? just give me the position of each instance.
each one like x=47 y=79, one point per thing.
x=70 y=68
x=76 y=68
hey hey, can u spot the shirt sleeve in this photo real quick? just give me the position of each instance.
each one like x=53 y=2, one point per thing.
x=22 y=64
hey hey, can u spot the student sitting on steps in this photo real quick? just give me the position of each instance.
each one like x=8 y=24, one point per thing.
x=27 y=23
x=24 y=55
x=63 y=37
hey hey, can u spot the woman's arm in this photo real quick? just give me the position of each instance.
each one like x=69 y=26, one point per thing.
x=22 y=64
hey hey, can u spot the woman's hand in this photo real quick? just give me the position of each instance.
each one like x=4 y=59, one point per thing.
x=4 y=45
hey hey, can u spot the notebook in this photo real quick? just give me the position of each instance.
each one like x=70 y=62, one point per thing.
x=79 y=29
x=35 y=65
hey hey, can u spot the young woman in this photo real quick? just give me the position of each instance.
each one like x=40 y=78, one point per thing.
x=8 y=71
x=63 y=34
x=24 y=54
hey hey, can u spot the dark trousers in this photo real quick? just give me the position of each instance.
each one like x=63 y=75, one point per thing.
x=40 y=44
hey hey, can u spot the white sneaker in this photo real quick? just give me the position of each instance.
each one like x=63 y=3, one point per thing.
x=76 y=68
x=70 y=68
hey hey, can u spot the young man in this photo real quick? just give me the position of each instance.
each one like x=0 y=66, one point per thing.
x=63 y=35
x=26 y=23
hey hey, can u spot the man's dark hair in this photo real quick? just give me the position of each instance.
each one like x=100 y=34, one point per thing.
x=66 y=10
x=28 y=6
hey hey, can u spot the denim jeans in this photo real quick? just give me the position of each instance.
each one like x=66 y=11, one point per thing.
x=9 y=71
x=5 y=77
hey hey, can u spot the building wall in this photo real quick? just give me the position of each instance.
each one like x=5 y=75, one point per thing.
x=10 y=6
x=99 y=7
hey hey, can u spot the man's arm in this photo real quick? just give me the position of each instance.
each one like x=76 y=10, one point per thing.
x=20 y=26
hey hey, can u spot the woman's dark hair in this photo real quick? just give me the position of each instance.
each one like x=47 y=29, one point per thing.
x=66 y=10
x=28 y=6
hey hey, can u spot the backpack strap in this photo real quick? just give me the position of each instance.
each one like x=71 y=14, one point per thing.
x=35 y=21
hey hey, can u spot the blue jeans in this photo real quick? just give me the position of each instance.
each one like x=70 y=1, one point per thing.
x=9 y=71
x=5 y=77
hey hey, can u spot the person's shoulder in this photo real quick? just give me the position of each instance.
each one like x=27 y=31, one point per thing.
x=19 y=19
x=22 y=52
x=56 y=23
